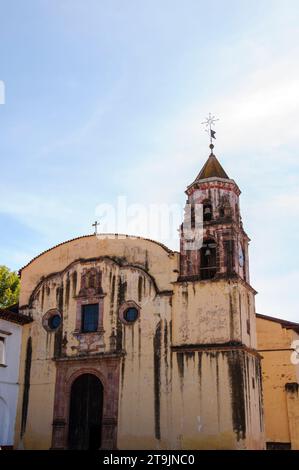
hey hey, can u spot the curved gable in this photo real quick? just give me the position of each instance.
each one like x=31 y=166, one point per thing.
x=155 y=258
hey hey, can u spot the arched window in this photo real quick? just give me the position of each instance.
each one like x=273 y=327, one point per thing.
x=207 y=211
x=208 y=265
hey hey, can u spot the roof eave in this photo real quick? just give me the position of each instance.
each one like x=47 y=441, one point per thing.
x=213 y=179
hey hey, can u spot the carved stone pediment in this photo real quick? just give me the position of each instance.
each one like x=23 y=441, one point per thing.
x=91 y=283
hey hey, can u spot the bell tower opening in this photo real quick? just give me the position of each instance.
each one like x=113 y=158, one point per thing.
x=207 y=211
x=208 y=260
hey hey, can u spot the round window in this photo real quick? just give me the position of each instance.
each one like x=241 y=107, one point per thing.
x=54 y=321
x=131 y=314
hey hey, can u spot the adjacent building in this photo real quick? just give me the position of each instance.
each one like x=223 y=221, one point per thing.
x=11 y=323
x=278 y=343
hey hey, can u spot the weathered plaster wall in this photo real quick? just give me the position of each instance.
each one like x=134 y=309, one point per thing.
x=207 y=315
x=38 y=423
x=138 y=271
x=281 y=406
x=217 y=407
x=214 y=311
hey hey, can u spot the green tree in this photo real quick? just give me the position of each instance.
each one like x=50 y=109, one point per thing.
x=9 y=287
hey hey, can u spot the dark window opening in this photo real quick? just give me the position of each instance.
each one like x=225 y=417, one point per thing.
x=131 y=315
x=90 y=318
x=208 y=265
x=207 y=212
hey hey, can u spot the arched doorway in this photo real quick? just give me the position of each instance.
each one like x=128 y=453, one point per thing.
x=86 y=410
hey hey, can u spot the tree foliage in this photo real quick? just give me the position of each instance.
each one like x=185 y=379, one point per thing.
x=9 y=287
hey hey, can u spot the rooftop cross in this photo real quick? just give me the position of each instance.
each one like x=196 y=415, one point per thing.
x=208 y=123
x=95 y=225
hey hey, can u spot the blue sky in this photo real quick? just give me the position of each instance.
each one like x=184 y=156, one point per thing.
x=105 y=98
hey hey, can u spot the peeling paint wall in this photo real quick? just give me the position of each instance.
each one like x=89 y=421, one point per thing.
x=142 y=274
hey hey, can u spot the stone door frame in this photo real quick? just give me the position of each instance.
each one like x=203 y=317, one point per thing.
x=106 y=368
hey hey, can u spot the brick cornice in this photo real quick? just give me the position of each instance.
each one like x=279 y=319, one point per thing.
x=90 y=358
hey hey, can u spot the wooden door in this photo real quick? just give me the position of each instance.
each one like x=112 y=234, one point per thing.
x=86 y=409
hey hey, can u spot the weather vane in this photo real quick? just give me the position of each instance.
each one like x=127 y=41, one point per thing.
x=208 y=123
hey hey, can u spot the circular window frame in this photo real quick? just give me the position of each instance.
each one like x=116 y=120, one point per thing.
x=46 y=319
x=123 y=309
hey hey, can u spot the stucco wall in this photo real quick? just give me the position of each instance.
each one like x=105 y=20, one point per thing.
x=9 y=377
x=216 y=311
x=278 y=370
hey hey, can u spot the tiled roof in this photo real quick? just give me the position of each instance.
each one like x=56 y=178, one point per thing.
x=211 y=168
x=12 y=314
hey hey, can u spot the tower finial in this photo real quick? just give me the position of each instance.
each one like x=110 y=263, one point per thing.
x=208 y=123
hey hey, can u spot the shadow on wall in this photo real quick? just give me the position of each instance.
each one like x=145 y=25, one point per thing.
x=4 y=420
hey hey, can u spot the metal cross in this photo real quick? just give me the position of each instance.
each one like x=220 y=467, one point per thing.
x=208 y=123
x=95 y=225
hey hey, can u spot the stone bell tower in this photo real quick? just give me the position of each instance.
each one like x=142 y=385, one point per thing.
x=224 y=251
x=214 y=313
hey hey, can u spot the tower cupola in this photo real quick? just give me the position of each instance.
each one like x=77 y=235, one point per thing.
x=223 y=248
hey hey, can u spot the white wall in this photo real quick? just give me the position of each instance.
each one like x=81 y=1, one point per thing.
x=9 y=376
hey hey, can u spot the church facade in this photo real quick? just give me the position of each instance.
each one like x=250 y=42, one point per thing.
x=134 y=346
